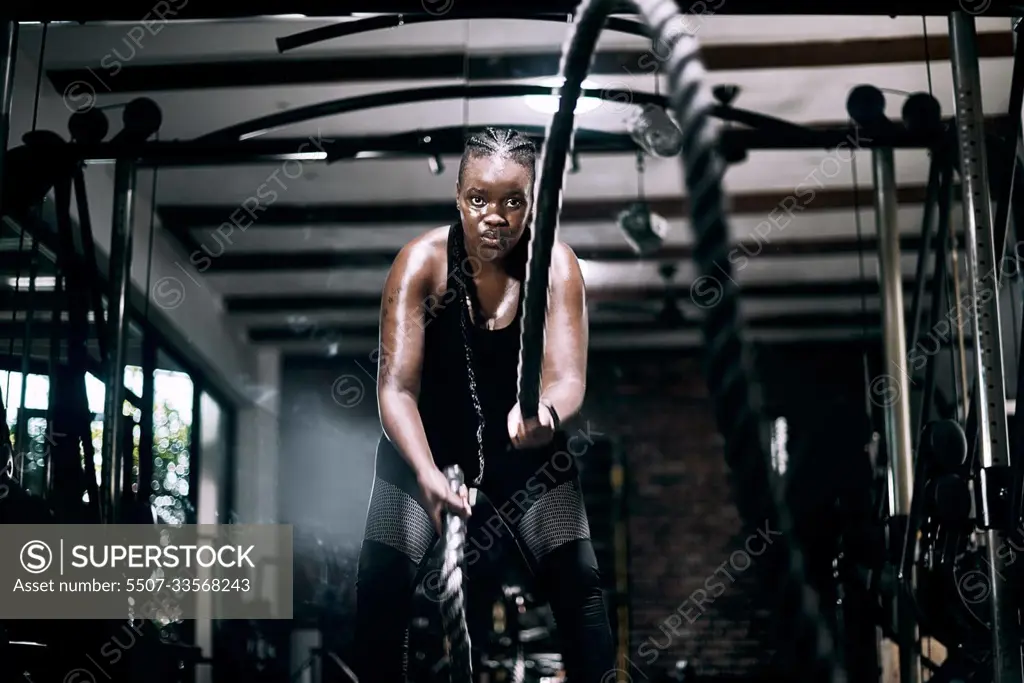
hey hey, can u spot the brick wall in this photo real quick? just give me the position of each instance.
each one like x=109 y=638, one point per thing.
x=683 y=523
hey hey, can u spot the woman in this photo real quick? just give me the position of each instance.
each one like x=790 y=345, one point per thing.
x=447 y=381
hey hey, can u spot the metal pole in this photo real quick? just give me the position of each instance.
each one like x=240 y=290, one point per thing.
x=1016 y=26
x=120 y=271
x=1006 y=162
x=8 y=56
x=897 y=415
x=931 y=201
x=897 y=409
x=985 y=327
x=943 y=199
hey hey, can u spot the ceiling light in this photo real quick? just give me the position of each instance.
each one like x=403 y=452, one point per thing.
x=24 y=283
x=253 y=134
x=436 y=165
x=548 y=104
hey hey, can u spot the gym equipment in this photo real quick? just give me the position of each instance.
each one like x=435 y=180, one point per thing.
x=36 y=168
x=43 y=164
x=142 y=119
x=939 y=562
x=996 y=475
x=520 y=631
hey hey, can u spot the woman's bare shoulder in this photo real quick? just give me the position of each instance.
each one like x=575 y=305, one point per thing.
x=565 y=267
x=424 y=258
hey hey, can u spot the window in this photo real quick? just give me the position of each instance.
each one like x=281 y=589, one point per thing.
x=172 y=442
x=780 y=439
x=214 y=469
x=172 y=423
x=27 y=427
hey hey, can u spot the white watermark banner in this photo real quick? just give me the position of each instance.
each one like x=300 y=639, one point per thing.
x=161 y=572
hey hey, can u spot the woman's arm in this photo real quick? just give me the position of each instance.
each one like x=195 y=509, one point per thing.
x=401 y=353
x=564 y=374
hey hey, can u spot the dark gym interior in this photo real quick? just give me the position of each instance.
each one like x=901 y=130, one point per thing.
x=205 y=202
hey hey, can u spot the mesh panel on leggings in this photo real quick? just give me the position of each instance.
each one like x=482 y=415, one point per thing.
x=556 y=518
x=397 y=520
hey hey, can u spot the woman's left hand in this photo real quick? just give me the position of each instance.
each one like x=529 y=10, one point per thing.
x=532 y=433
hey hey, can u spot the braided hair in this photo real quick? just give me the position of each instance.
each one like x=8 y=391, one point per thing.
x=492 y=143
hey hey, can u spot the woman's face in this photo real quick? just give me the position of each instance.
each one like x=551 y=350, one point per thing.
x=494 y=197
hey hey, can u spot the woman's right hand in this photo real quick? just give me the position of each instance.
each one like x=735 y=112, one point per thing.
x=438 y=497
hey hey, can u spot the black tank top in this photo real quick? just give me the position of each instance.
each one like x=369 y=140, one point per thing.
x=445 y=404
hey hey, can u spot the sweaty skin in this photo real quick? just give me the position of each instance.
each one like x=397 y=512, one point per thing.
x=494 y=198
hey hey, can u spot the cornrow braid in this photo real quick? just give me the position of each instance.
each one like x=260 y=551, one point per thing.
x=501 y=143
x=466 y=288
x=491 y=143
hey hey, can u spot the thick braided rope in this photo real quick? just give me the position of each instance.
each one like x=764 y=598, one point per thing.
x=453 y=602
x=729 y=376
x=519 y=667
x=548 y=203
x=727 y=366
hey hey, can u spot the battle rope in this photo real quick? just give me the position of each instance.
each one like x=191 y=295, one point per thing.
x=576 y=58
x=453 y=602
x=519 y=667
x=729 y=377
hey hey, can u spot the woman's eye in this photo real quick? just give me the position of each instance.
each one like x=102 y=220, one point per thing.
x=515 y=203
x=476 y=201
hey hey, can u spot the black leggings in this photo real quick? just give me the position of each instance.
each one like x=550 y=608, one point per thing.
x=540 y=501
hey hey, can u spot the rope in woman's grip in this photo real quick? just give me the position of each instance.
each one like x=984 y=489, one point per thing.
x=453 y=602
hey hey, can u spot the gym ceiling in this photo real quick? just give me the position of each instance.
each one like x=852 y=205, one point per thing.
x=305 y=275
